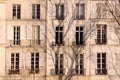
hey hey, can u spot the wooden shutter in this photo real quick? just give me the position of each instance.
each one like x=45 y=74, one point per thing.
x=42 y=32
x=10 y=33
x=29 y=32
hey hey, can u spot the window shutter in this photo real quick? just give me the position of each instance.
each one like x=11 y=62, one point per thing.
x=82 y=9
x=29 y=32
x=57 y=11
x=42 y=32
x=41 y=58
x=22 y=32
x=10 y=33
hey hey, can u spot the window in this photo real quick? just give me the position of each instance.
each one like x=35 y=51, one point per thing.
x=35 y=35
x=79 y=36
x=34 y=62
x=80 y=11
x=14 y=63
x=101 y=34
x=59 y=64
x=60 y=11
x=101 y=64
x=36 y=11
x=59 y=35
x=101 y=10
x=79 y=66
x=16 y=11
x=16 y=36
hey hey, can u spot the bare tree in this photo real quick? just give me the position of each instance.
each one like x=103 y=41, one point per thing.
x=66 y=54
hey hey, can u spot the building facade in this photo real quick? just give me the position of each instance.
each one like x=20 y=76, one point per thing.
x=59 y=40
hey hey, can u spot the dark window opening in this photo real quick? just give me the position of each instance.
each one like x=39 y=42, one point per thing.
x=60 y=11
x=59 y=35
x=17 y=11
x=80 y=11
x=16 y=35
x=101 y=34
x=59 y=64
x=79 y=66
x=79 y=36
x=36 y=11
x=101 y=64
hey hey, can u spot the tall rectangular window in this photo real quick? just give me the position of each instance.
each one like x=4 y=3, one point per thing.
x=101 y=64
x=59 y=35
x=101 y=34
x=60 y=11
x=79 y=66
x=80 y=11
x=79 y=36
x=34 y=62
x=36 y=11
x=16 y=11
x=14 y=63
x=59 y=64
x=101 y=10
x=35 y=35
x=16 y=36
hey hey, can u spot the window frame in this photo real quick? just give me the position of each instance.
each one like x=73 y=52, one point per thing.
x=101 y=34
x=79 y=64
x=80 y=15
x=35 y=35
x=79 y=32
x=16 y=35
x=59 y=35
x=16 y=11
x=60 y=11
x=35 y=62
x=15 y=64
x=101 y=64
x=59 y=64
x=36 y=11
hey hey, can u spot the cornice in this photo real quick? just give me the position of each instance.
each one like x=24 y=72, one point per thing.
x=3 y=1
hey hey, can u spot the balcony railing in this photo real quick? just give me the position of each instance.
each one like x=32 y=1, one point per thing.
x=60 y=71
x=33 y=71
x=101 y=41
x=101 y=71
x=57 y=44
x=74 y=43
x=79 y=72
x=13 y=71
x=15 y=42
x=61 y=17
x=79 y=17
x=34 y=42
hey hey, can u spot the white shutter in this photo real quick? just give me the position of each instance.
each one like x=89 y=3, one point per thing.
x=9 y=32
x=28 y=60
x=42 y=32
x=29 y=32
x=22 y=32
x=41 y=58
